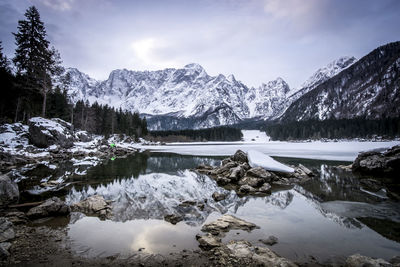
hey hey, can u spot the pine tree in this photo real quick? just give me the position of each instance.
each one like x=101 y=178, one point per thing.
x=35 y=61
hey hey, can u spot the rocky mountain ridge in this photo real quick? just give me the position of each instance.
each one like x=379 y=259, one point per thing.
x=190 y=98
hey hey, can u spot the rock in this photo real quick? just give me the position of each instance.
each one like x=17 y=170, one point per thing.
x=345 y=167
x=236 y=173
x=44 y=133
x=93 y=205
x=395 y=261
x=225 y=169
x=172 y=218
x=218 y=196
x=51 y=207
x=6 y=230
x=4 y=250
x=188 y=203
x=358 y=260
x=208 y=241
x=372 y=184
x=227 y=223
x=305 y=170
x=222 y=180
x=265 y=188
x=260 y=255
x=16 y=217
x=240 y=156
x=225 y=161
x=251 y=181
x=260 y=172
x=9 y=192
x=270 y=241
x=376 y=163
x=244 y=189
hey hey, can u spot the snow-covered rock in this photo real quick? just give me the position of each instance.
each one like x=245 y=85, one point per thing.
x=258 y=159
x=46 y=132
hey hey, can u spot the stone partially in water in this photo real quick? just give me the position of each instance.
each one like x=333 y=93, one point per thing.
x=358 y=260
x=265 y=188
x=251 y=181
x=260 y=172
x=270 y=241
x=245 y=189
x=227 y=223
x=93 y=205
x=240 y=156
x=259 y=255
x=208 y=241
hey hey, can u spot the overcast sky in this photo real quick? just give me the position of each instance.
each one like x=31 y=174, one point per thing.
x=256 y=40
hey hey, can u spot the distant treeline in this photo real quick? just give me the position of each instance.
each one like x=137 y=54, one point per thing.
x=34 y=83
x=210 y=134
x=334 y=129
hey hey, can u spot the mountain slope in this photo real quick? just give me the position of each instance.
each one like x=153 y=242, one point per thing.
x=190 y=98
x=369 y=88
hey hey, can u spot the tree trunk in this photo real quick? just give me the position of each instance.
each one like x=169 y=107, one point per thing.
x=17 y=110
x=72 y=117
x=44 y=104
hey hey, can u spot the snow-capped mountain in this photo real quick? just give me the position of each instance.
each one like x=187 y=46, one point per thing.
x=369 y=88
x=190 y=98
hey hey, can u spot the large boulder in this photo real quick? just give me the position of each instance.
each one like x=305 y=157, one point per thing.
x=240 y=156
x=9 y=192
x=208 y=241
x=377 y=163
x=261 y=256
x=44 y=133
x=51 y=207
x=357 y=260
x=260 y=172
x=94 y=205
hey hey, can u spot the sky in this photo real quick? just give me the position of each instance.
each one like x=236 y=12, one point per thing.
x=256 y=40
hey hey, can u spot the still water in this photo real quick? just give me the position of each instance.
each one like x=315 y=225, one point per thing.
x=329 y=217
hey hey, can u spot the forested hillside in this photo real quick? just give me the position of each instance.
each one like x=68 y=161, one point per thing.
x=210 y=134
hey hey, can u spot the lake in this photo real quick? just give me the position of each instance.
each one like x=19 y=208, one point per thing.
x=329 y=217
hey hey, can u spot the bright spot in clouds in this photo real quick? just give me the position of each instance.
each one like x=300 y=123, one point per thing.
x=145 y=51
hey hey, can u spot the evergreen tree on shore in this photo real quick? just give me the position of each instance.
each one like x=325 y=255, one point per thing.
x=35 y=61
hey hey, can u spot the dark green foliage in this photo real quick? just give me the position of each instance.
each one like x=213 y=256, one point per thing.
x=105 y=120
x=331 y=129
x=36 y=64
x=210 y=134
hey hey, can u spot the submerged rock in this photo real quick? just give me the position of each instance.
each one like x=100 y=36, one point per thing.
x=376 y=163
x=51 y=207
x=93 y=205
x=9 y=192
x=358 y=260
x=227 y=223
x=270 y=241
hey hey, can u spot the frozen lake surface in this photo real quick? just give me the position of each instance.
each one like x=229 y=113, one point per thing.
x=341 y=151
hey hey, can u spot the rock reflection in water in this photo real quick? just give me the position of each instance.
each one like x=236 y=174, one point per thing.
x=152 y=196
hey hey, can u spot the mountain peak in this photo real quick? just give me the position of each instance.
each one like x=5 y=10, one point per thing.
x=194 y=66
x=331 y=69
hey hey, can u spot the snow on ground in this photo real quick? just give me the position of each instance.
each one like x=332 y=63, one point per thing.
x=343 y=151
x=259 y=159
x=255 y=136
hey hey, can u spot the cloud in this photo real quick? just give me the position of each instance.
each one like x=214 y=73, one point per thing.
x=60 y=5
x=147 y=51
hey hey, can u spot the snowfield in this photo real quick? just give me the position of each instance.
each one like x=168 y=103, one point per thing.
x=340 y=151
